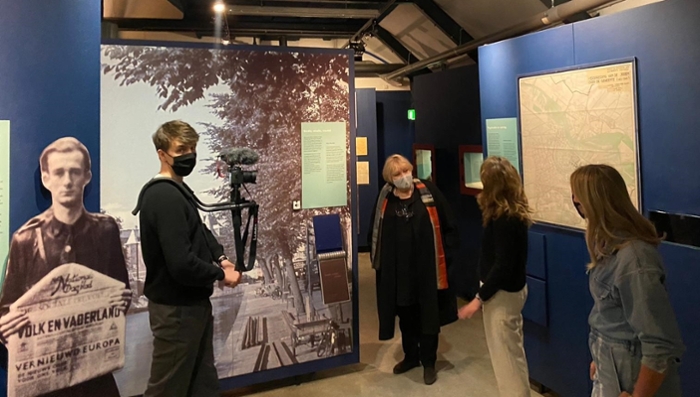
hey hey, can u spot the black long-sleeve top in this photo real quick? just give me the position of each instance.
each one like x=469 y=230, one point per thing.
x=503 y=256
x=179 y=251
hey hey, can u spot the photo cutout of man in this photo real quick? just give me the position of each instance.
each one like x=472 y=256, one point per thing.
x=64 y=233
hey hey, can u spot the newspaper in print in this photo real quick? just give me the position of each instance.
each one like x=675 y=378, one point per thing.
x=73 y=335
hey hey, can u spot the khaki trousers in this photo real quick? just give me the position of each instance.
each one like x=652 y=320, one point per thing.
x=503 y=325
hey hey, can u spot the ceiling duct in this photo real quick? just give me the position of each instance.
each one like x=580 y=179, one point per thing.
x=142 y=9
x=542 y=20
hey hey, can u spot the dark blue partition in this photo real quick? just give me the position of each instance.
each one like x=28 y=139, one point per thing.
x=667 y=56
x=49 y=88
x=367 y=128
x=535 y=308
x=447 y=116
x=536 y=256
x=395 y=132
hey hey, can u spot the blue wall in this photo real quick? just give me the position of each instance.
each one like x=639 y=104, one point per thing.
x=382 y=118
x=395 y=132
x=664 y=39
x=448 y=115
x=49 y=88
x=367 y=127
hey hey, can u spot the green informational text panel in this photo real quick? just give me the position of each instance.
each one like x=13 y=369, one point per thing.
x=323 y=165
x=4 y=194
x=502 y=139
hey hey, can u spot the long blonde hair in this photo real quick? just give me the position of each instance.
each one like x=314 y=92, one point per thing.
x=503 y=192
x=612 y=220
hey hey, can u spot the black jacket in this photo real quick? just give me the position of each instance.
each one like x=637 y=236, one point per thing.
x=437 y=307
x=178 y=249
x=503 y=256
x=43 y=243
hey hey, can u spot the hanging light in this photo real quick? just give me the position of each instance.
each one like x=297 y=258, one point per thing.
x=219 y=7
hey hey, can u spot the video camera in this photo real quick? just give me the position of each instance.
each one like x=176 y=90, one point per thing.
x=235 y=158
x=238 y=178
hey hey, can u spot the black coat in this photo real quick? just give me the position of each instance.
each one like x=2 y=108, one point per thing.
x=437 y=307
x=43 y=244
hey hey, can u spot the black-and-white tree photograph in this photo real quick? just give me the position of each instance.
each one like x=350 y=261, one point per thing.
x=234 y=98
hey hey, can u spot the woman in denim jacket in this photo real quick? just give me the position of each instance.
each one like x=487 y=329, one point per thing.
x=634 y=339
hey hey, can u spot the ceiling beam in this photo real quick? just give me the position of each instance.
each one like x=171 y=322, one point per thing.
x=444 y=22
x=375 y=4
x=386 y=9
x=390 y=41
x=536 y=22
x=306 y=12
x=248 y=26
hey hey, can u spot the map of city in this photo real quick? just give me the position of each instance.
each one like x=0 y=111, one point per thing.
x=573 y=118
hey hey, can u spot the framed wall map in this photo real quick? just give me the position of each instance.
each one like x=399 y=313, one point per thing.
x=573 y=118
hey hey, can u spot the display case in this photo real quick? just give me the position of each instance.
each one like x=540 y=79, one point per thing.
x=470 y=159
x=424 y=162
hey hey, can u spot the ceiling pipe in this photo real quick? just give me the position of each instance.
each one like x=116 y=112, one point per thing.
x=371 y=69
x=542 y=20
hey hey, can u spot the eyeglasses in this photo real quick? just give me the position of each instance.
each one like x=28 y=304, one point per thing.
x=402 y=211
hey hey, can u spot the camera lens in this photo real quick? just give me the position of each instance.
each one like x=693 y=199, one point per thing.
x=249 y=176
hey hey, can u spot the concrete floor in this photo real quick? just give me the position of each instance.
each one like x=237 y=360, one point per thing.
x=464 y=367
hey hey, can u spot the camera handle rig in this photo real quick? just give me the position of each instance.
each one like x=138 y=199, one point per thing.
x=236 y=205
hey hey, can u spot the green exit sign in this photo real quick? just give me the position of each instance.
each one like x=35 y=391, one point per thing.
x=411 y=114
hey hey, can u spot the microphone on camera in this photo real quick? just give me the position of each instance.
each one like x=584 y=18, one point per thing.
x=236 y=156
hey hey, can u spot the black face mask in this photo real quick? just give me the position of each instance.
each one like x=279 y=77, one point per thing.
x=184 y=164
x=578 y=208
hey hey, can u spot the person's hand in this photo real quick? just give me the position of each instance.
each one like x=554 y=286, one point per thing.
x=11 y=323
x=592 y=370
x=467 y=311
x=231 y=276
x=227 y=263
x=625 y=394
x=121 y=299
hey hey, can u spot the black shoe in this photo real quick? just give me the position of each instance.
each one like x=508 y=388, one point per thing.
x=405 y=366
x=429 y=375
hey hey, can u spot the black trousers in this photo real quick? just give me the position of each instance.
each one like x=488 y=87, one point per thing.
x=183 y=351
x=416 y=345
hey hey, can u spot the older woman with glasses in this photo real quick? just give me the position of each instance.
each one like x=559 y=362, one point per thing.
x=412 y=241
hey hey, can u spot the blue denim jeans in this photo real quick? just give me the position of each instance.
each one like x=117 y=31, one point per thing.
x=617 y=367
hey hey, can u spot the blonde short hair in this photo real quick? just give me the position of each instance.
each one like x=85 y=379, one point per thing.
x=611 y=219
x=173 y=130
x=393 y=164
x=503 y=192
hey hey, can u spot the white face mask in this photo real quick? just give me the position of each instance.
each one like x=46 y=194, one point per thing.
x=403 y=183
